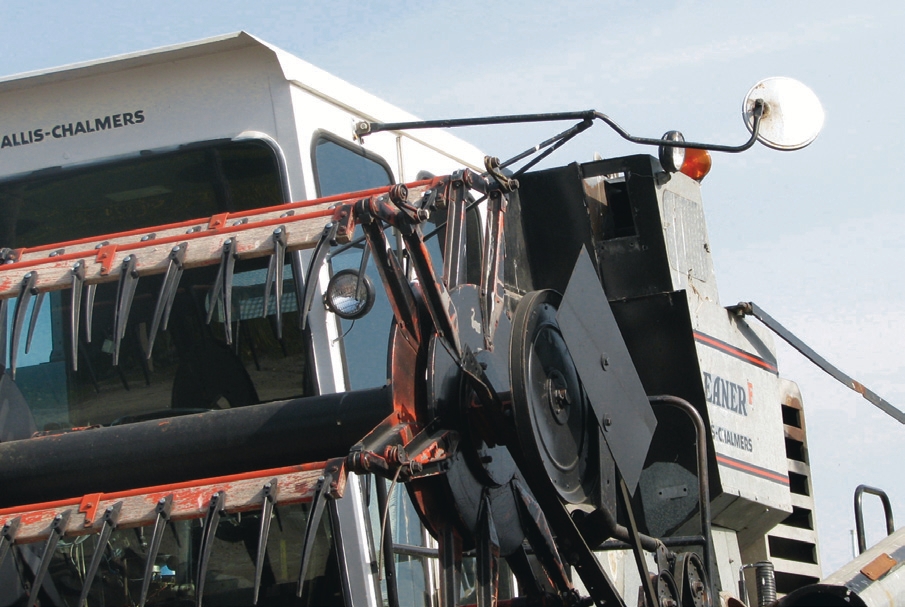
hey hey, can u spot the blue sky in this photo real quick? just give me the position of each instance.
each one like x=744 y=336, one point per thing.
x=812 y=236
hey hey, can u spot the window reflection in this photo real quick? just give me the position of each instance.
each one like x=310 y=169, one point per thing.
x=192 y=367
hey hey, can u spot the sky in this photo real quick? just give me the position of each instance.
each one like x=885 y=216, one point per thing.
x=812 y=236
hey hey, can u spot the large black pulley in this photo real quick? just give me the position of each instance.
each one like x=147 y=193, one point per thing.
x=481 y=466
x=556 y=435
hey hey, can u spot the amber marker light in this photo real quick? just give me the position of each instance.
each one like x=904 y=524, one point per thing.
x=697 y=163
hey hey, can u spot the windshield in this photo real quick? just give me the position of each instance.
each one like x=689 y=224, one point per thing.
x=192 y=367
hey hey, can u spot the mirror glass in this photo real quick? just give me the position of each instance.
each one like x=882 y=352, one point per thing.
x=793 y=115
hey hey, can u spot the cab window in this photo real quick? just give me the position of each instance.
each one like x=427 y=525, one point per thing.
x=341 y=167
x=192 y=367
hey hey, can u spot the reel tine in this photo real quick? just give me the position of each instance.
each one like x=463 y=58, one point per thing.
x=279 y=252
x=180 y=268
x=223 y=287
x=274 y=280
x=227 y=253
x=646 y=582
x=214 y=510
x=298 y=278
x=57 y=531
x=26 y=290
x=4 y=318
x=90 y=293
x=8 y=536
x=217 y=288
x=317 y=260
x=227 y=300
x=167 y=293
x=271 y=494
x=268 y=281
x=128 y=281
x=488 y=556
x=78 y=281
x=321 y=492
x=33 y=321
x=163 y=509
x=111 y=518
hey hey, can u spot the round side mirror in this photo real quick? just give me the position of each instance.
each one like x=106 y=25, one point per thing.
x=792 y=117
x=349 y=295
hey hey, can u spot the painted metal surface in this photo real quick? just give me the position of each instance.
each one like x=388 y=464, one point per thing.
x=875 y=578
x=205 y=238
x=741 y=388
x=189 y=500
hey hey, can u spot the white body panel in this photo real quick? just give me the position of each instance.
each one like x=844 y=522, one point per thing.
x=738 y=373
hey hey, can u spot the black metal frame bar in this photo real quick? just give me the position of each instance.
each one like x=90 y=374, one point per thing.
x=751 y=308
x=703 y=480
x=365 y=128
x=647 y=584
x=859 y=514
x=387 y=547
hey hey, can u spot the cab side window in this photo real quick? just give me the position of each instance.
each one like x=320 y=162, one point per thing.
x=342 y=167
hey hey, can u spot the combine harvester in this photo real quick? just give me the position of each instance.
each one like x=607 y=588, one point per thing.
x=244 y=364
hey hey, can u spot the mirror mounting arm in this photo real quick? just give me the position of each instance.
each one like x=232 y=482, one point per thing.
x=758 y=112
x=365 y=128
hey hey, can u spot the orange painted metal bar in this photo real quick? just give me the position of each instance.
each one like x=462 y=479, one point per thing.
x=244 y=492
x=103 y=255
x=283 y=207
x=271 y=472
x=177 y=238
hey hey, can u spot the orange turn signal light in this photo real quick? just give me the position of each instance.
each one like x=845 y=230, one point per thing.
x=697 y=163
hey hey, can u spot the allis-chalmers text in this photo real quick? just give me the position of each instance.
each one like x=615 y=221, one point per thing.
x=71 y=129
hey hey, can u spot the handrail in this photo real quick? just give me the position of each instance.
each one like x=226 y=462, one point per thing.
x=859 y=515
